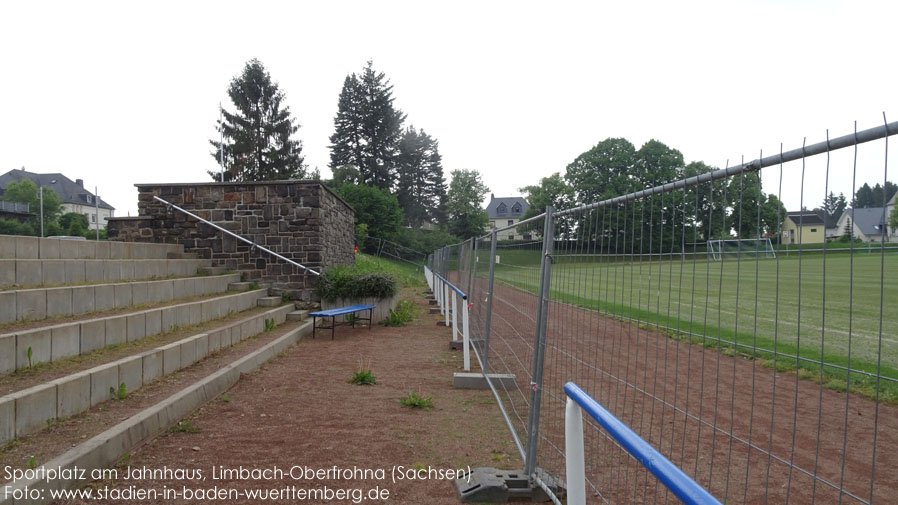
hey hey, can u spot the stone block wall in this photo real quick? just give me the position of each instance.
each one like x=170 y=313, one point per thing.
x=301 y=220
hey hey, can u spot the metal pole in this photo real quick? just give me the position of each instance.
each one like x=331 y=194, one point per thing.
x=489 y=304
x=573 y=454
x=539 y=344
x=221 y=139
x=454 y=295
x=97 y=210
x=42 y=210
x=466 y=338
x=472 y=256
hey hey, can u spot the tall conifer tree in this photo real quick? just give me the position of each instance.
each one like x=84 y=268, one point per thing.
x=257 y=136
x=367 y=129
x=421 y=188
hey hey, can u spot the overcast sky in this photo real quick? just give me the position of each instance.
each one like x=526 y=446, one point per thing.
x=124 y=92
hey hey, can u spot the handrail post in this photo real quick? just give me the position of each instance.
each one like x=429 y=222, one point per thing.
x=574 y=457
x=465 y=336
x=454 y=295
x=539 y=345
x=446 y=297
x=489 y=304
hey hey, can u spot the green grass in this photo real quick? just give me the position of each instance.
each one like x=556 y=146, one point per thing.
x=701 y=298
x=407 y=274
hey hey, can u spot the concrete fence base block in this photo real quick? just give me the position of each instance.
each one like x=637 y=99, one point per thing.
x=102 y=379
x=457 y=345
x=443 y=323
x=476 y=380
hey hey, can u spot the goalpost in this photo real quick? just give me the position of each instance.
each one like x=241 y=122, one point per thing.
x=735 y=248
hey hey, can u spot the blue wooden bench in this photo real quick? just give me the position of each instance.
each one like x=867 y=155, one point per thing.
x=342 y=311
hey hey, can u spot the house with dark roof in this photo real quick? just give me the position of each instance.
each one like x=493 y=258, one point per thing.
x=868 y=225
x=506 y=211
x=72 y=193
x=803 y=227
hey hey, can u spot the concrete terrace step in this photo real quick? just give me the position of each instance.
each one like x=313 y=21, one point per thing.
x=19 y=247
x=52 y=343
x=40 y=303
x=270 y=301
x=240 y=286
x=105 y=448
x=298 y=315
x=211 y=270
x=50 y=272
x=27 y=411
x=181 y=256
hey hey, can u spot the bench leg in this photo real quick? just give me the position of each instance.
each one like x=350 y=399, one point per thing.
x=314 y=326
x=370 y=316
x=333 y=326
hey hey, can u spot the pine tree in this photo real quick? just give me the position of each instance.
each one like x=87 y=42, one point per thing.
x=367 y=129
x=257 y=137
x=421 y=187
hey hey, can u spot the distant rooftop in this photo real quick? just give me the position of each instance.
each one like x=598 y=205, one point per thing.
x=68 y=191
x=506 y=207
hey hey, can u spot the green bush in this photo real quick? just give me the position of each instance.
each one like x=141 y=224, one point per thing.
x=348 y=282
x=403 y=314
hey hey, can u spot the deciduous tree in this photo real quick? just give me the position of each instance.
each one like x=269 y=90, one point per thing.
x=466 y=216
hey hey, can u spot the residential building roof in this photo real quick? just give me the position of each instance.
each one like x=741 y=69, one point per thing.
x=870 y=221
x=506 y=207
x=68 y=191
x=806 y=218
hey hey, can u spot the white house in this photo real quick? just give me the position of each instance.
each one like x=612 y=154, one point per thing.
x=508 y=211
x=73 y=195
x=866 y=224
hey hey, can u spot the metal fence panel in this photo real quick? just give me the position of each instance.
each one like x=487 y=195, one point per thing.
x=767 y=373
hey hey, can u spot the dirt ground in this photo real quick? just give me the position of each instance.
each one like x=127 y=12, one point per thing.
x=745 y=432
x=298 y=411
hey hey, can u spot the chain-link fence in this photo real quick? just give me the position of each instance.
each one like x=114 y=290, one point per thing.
x=761 y=362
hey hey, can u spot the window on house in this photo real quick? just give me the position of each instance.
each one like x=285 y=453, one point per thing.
x=516 y=209
x=93 y=218
x=511 y=237
x=510 y=222
x=501 y=209
x=813 y=230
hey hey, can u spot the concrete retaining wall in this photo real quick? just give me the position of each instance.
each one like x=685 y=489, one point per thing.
x=49 y=272
x=41 y=303
x=32 y=248
x=51 y=343
x=27 y=411
x=380 y=312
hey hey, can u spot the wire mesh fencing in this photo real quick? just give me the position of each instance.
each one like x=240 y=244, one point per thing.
x=757 y=356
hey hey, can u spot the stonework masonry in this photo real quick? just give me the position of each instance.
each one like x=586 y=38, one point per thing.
x=301 y=220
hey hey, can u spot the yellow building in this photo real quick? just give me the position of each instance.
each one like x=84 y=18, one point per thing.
x=803 y=228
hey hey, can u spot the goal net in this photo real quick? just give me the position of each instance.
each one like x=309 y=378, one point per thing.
x=740 y=248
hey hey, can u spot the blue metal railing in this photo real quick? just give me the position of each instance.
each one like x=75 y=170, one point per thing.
x=451 y=286
x=680 y=484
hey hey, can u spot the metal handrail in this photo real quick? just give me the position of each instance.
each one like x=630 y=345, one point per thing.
x=680 y=484
x=452 y=286
x=250 y=242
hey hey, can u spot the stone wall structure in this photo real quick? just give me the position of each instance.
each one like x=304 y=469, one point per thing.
x=301 y=220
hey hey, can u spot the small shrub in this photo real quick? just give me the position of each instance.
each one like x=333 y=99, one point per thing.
x=226 y=399
x=119 y=394
x=416 y=401
x=364 y=376
x=404 y=313
x=184 y=427
x=269 y=324
x=32 y=462
x=347 y=282
x=30 y=365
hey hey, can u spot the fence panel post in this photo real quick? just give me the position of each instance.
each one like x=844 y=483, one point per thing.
x=454 y=296
x=489 y=304
x=574 y=459
x=473 y=277
x=539 y=345
x=465 y=335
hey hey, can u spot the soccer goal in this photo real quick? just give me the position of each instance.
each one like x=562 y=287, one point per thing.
x=738 y=248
